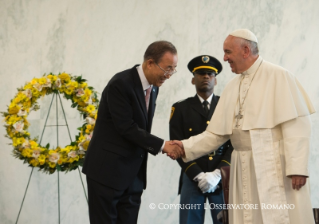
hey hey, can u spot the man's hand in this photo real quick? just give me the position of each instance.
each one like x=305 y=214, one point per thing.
x=176 y=142
x=298 y=181
x=173 y=150
x=209 y=182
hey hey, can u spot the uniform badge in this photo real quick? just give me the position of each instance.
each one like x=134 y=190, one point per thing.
x=205 y=59
x=172 y=112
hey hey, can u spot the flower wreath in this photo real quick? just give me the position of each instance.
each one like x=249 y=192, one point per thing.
x=62 y=159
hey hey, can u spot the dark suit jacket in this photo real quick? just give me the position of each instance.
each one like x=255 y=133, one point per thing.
x=188 y=119
x=121 y=138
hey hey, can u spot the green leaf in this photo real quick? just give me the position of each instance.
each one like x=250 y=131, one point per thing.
x=80 y=162
x=47 y=146
x=58 y=167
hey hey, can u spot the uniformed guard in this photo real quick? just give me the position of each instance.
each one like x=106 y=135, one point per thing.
x=200 y=179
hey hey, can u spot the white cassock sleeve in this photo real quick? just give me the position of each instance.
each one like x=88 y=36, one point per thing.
x=296 y=137
x=202 y=144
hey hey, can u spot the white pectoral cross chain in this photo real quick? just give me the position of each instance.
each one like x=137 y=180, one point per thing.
x=238 y=117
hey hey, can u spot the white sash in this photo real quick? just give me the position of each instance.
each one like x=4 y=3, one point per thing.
x=266 y=156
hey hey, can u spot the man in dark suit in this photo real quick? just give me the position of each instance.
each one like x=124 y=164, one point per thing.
x=200 y=179
x=116 y=159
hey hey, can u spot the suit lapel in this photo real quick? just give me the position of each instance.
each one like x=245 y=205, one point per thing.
x=197 y=106
x=138 y=88
x=213 y=105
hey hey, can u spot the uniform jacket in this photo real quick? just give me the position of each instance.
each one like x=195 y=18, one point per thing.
x=188 y=119
x=121 y=138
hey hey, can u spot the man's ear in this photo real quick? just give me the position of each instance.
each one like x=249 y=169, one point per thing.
x=149 y=63
x=246 y=52
x=215 y=81
x=193 y=81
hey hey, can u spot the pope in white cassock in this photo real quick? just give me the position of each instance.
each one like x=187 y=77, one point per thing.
x=264 y=111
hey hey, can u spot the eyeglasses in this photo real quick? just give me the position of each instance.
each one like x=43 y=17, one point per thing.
x=169 y=72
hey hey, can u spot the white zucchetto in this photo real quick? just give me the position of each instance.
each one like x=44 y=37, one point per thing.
x=245 y=34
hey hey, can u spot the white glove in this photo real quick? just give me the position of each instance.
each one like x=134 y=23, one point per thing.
x=199 y=176
x=212 y=189
x=209 y=182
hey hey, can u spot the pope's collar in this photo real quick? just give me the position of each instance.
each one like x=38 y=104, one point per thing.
x=252 y=69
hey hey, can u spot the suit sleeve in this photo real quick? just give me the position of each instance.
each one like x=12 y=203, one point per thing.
x=176 y=133
x=226 y=160
x=118 y=98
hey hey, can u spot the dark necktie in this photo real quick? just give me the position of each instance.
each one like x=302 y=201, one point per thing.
x=205 y=104
x=147 y=96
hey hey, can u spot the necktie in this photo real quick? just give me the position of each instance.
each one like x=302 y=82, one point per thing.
x=147 y=97
x=205 y=104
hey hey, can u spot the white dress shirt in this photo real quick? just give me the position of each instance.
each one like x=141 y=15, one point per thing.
x=209 y=100
x=145 y=85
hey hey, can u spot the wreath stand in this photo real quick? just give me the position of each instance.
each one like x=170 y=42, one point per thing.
x=58 y=98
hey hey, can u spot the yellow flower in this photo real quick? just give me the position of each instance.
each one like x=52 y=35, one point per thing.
x=69 y=91
x=83 y=85
x=27 y=104
x=86 y=145
x=64 y=77
x=34 y=81
x=26 y=123
x=35 y=93
x=12 y=119
x=81 y=138
x=42 y=80
x=27 y=153
x=19 y=98
x=82 y=104
x=28 y=86
x=33 y=144
x=75 y=99
x=73 y=85
x=41 y=159
x=34 y=162
x=60 y=161
x=85 y=98
x=53 y=78
x=17 y=141
x=90 y=108
x=14 y=109
x=67 y=149
x=52 y=165
x=9 y=131
x=24 y=152
x=43 y=92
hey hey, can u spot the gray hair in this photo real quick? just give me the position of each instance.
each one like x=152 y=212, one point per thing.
x=253 y=46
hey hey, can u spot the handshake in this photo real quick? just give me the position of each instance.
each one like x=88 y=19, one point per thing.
x=174 y=149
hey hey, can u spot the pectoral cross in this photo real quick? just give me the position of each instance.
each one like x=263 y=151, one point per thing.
x=238 y=117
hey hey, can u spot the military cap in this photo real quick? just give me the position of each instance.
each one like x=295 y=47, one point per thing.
x=205 y=63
